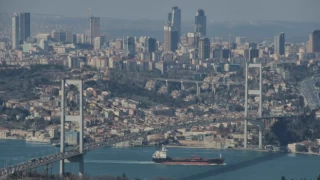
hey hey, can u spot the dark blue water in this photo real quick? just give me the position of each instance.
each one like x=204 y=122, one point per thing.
x=136 y=162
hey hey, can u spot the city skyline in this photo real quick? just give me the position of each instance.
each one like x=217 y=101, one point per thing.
x=219 y=10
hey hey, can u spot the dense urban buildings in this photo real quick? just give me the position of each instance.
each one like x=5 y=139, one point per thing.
x=94 y=30
x=201 y=22
x=314 y=41
x=135 y=83
x=279 y=44
x=20 y=28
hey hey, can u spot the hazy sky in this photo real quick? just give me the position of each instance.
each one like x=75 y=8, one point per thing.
x=289 y=10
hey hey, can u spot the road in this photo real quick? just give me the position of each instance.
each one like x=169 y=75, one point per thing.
x=309 y=92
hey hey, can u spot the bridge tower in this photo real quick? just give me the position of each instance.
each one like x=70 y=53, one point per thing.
x=72 y=118
x=198 y=89
x=253 y=92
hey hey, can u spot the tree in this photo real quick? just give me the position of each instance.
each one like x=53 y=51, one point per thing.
x=280 y=88
x=221 y=127
x=301 y=101
x=283 y=178
x=318 y=178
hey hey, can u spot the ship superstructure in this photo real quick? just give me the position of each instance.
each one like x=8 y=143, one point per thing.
x=161 y=157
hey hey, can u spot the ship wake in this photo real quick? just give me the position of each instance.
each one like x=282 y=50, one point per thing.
x=118 y=162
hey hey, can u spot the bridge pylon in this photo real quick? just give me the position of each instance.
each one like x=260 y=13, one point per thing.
x=72 y=118
x=253 y=92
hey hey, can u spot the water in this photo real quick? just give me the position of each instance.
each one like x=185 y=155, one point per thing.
x=136 y=162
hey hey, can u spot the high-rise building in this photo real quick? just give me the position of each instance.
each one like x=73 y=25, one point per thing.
x=314 y=42
x=59 y=36
x=94 y=28
x=69 y=37
x=20 y=28
x=240 y=40
x=24 y=26
x=15 y=31
x=279 y=44
x=150 y=45
x=80 y=38
x=43 y=44
x=204 y=48
x=171 y=38
x=98 y=42
x=176 y=20
x=169 y=17
x=251 y=53
x=129 y=47
x=201 y=22
x=119 y=44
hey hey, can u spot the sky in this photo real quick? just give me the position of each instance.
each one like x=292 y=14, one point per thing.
x=218 y=10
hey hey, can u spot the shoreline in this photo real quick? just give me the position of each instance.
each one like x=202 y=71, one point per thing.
x=173 y=146
x=243 y=149
x=12 y=138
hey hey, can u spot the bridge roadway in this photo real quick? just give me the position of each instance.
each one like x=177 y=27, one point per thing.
x=24 y=166
x=195 y=82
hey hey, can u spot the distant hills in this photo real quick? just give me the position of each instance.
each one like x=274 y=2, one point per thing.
x=113 y=27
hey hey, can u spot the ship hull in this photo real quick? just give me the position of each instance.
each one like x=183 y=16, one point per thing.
x=188 y=161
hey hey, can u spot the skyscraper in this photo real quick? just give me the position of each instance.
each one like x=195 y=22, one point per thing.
x=279 y=44
x=201 y=22
x=15 y=31
x=169 y=17
x=176 y=20
x=59 y=36
x=171 y=38
x=314 y=41
x=204 y=48
x=94 y=29
x=20 y=28
x=240 y=40
x=129 y=47
x=150 y=45
x=24 y=26
x=98 y=42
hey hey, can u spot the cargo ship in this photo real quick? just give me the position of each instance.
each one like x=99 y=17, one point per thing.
x=161 y=157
